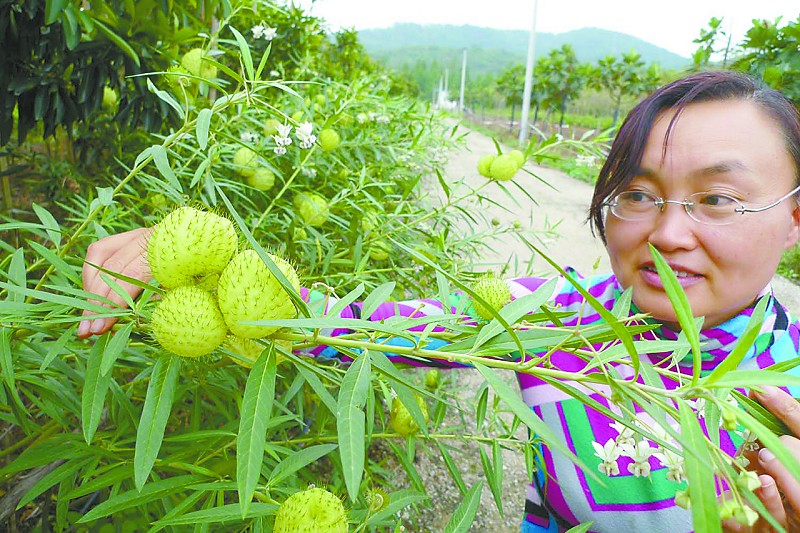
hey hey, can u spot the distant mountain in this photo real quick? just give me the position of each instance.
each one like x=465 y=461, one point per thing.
x=492 y=51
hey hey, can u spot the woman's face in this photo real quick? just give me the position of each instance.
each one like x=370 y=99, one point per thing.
x=732 y=148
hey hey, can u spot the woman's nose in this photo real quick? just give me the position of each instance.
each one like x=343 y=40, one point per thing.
x=673 y=229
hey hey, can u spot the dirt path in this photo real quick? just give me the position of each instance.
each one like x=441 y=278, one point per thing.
x=557 y=218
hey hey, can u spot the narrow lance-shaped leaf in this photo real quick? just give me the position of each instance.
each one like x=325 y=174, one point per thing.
x=463 y=517
x=680 y=303
x=203 y=124
x=155 y=413
x=256 y=410
x=350 y=423
x=244 y=49
x=95 y=387
x=699 y=473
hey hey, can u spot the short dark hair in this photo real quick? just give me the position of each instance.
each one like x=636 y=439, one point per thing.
x=627 y=149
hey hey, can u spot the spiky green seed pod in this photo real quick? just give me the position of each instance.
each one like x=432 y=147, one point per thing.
x=503 y=168
x=190 y=243
x=485 y=163
x=494 y=291
x=518 y=157
x=271 y=126
x=314 y=510
x=312 y=208
x=432 y=378
x=400 y=418
x=187 y=322
x=193 y=62
x=248 y=291
x=244 y=161
x=328 y=139
x=248 y=350
x=262 y=179
x=176 y=77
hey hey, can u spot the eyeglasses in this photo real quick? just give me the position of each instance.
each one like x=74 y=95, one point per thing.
x=704 y=207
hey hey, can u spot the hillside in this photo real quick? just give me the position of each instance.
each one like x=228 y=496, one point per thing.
x=490 y=51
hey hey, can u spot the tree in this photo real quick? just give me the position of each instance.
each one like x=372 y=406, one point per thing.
x=769 y=51
x=563 y=77
x=509 y=85
x=622 y=77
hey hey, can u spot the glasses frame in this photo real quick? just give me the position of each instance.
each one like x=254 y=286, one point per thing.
x=661 y=203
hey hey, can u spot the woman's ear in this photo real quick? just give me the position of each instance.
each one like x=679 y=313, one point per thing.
x=794 y=232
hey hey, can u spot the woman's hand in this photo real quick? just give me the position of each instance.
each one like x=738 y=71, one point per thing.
x=123 y=253
x=779 y=491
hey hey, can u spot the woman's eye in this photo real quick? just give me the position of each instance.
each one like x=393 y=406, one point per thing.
x=636 y=197
x=715 y=200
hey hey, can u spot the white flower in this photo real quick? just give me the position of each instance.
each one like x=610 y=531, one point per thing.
x=304 y=135
x=699 y=406
x=382 y=119
x=284 y=130
x=673 y=462
x=640 y=453
x=274 y=74
x=279 y=150
x=263 y=31
x=248 y=136
x=608 y=453
x=361 y=118
x=625 y=436
x=310 y=172
x=750 y=443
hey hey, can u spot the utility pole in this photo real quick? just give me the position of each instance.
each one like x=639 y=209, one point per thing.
x=463 y=80
x=526 y=98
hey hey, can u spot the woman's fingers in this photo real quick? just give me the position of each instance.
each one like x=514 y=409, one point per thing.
x=770 y=496
x=123 y=253
x=786 y=484
x=780 y=404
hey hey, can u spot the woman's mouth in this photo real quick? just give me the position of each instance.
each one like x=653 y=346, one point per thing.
x=685 y=277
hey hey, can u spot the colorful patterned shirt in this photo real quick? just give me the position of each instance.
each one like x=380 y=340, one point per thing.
x=561 y=495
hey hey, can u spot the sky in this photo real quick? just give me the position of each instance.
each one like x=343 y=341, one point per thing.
x=671 y=24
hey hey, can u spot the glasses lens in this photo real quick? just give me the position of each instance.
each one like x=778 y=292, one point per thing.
x=714 y=209
x=634 y=205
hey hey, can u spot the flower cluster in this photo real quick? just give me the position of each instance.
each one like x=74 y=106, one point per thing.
x=262 y=31
x=304 y=135
x=363 y=118
x=626 y=445
x=282 y=139
x=248 y=137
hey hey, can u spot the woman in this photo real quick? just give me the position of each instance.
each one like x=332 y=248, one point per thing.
x=706 y=170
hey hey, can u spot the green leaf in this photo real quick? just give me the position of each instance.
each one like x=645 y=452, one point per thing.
x=743 y=345
x=404 y=392
x=224 y=513
x=452 y=467
x=155 y=413
x=134 y=497
x=699 y=472
x=95 y=387
x=56 y=348
x=515 y=310
x=162 y=164
x=52 y=10
x=297 y=460
x=52 y=478
x=50 y=224
x=750 y=378
x=319 y=389
x=244 y=49
x=345 y=301
x=680 y=303
x=528 y=417
x=115 y=346
x=169 y=100
x=380 y=295
x=350 y=422
x=203 y=124
x=17 y=275
x=463 y=517
x=491 y=476
x=117 y=40
x=259 y=393
x=263 y=62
